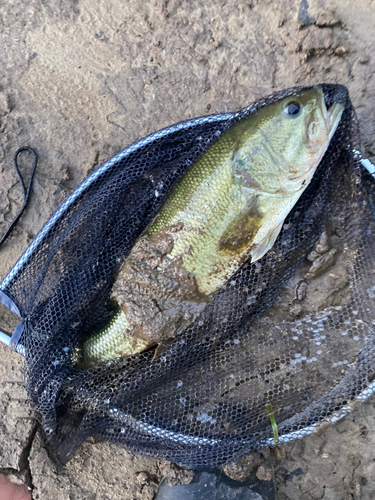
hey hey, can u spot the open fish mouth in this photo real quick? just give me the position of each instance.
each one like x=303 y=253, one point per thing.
x=331 y=114
x=336 y=99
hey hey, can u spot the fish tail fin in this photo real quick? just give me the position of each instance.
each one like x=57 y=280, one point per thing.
x=266 y=244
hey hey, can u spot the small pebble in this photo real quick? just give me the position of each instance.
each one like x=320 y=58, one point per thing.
x=322 y=246
x=341 y=51
x=295 y=310
x=142 y=477
x=364 y=59
x=321 y=265
x=263 y=473
x=313 y=255
x=326 y=19
x=301 y=290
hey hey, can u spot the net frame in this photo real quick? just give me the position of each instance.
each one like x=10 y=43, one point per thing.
x=39 y=287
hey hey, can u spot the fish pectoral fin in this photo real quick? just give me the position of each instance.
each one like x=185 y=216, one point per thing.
x=160 y=347
x=266 y=244
x=241 y=232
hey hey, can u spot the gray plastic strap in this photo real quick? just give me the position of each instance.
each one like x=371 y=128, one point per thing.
x=4 y=299
x=12 y=342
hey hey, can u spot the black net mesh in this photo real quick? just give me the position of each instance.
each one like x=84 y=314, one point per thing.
x=271 y=345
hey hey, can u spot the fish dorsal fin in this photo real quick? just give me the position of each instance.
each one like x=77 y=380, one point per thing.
x=266 y=244
x=240 y=233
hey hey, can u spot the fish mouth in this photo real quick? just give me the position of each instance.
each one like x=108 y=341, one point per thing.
x=336 y=98
x=330 y=109
x=331 y=117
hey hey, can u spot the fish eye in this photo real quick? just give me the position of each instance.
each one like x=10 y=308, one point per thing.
x=292 y=109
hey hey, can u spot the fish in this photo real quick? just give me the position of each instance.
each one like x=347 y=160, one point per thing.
x=110 y=342
x=228 y=208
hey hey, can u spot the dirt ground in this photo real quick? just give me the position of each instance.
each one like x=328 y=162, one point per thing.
x=82 y=79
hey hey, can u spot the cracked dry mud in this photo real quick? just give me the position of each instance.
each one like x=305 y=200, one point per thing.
x=80 y=80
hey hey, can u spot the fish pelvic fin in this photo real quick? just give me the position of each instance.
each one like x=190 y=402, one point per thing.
x=241 y=232
x=259 y=250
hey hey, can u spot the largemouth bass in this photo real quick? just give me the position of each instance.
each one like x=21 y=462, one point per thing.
x=228 y=208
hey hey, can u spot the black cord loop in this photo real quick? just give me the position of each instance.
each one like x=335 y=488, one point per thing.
x=26 y=192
